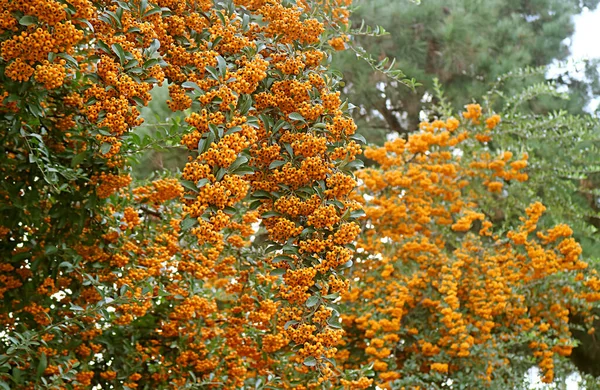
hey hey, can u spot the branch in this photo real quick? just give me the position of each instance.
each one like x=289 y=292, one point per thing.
x=391 y=119
x=151 y=212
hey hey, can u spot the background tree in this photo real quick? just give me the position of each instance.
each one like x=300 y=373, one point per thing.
x=465 y=44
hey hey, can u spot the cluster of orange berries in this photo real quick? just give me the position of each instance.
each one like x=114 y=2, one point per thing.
x=159 y=191
x=114 y=54
x=107 y=184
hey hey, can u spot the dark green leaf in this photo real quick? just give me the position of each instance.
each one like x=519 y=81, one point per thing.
x=42 y=365
x=190 y=185
x=296 y=117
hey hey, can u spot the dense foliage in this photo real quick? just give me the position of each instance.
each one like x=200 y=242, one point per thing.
x=272 y=260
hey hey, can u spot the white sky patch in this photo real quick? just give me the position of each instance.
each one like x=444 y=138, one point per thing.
x=583 y=45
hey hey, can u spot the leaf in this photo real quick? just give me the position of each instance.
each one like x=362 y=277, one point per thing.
x=296 y=117
x=244 y=170
x=222 y=65
x=278 y=271
x=356 y=164
x=132 y=30
x=190 y=85
x=202 y=182
x=280 y=258
x=347 y=264
x=190 y=185
x=313 y=301
x=188 y=223
x=234 y=129
x=220 y=173
x=27 y=20
x=105 y=147
x=213 y=72
x=359 y=137
x=42 y=365
x=290 y=323
x=118 y=50
x=358 y=214
x=154 y=46
x=238 y=162
x=261 y=194
x=150 y=63
x=152 y=12
x=36 y=109
x=310 y=361
x=276 y=164
x=51 y=249
x=270 y=214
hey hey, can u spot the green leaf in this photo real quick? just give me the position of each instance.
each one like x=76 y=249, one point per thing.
x=188 y=223
x=358 y=214
x=238 y=162
x=260 y=194
x=51 y=249
x=270 y=214
x=313 y=301
x=222 y=65
x=356 y=164
x=42 y=365
x=220 y=173
x=154 y=46
x=347 y=264
x=27 y=20
x=202 y=182
x=190 y=185
x=152 y=12
x=359 y=137
x=276 y=164
x=213 y=72
x=310 y=361
x=118 y=50
x=280 y=258
x=234 y=129
x=278 y=271
x=244 y=170
x=36 y=109
x=296 y=117
x=105 y=147
x=290 y=323
x=78 y=159
x=190 y=85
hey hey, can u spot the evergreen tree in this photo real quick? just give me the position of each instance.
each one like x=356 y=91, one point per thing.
x=466 y=44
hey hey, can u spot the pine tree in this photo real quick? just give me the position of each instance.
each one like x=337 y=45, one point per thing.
x=466 y=44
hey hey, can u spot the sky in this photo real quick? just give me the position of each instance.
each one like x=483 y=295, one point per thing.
x=585 y=43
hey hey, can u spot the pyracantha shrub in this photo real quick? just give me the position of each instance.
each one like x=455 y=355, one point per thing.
x=169 y=284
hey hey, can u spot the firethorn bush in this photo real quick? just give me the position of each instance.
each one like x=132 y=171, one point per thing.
x=272 y=259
